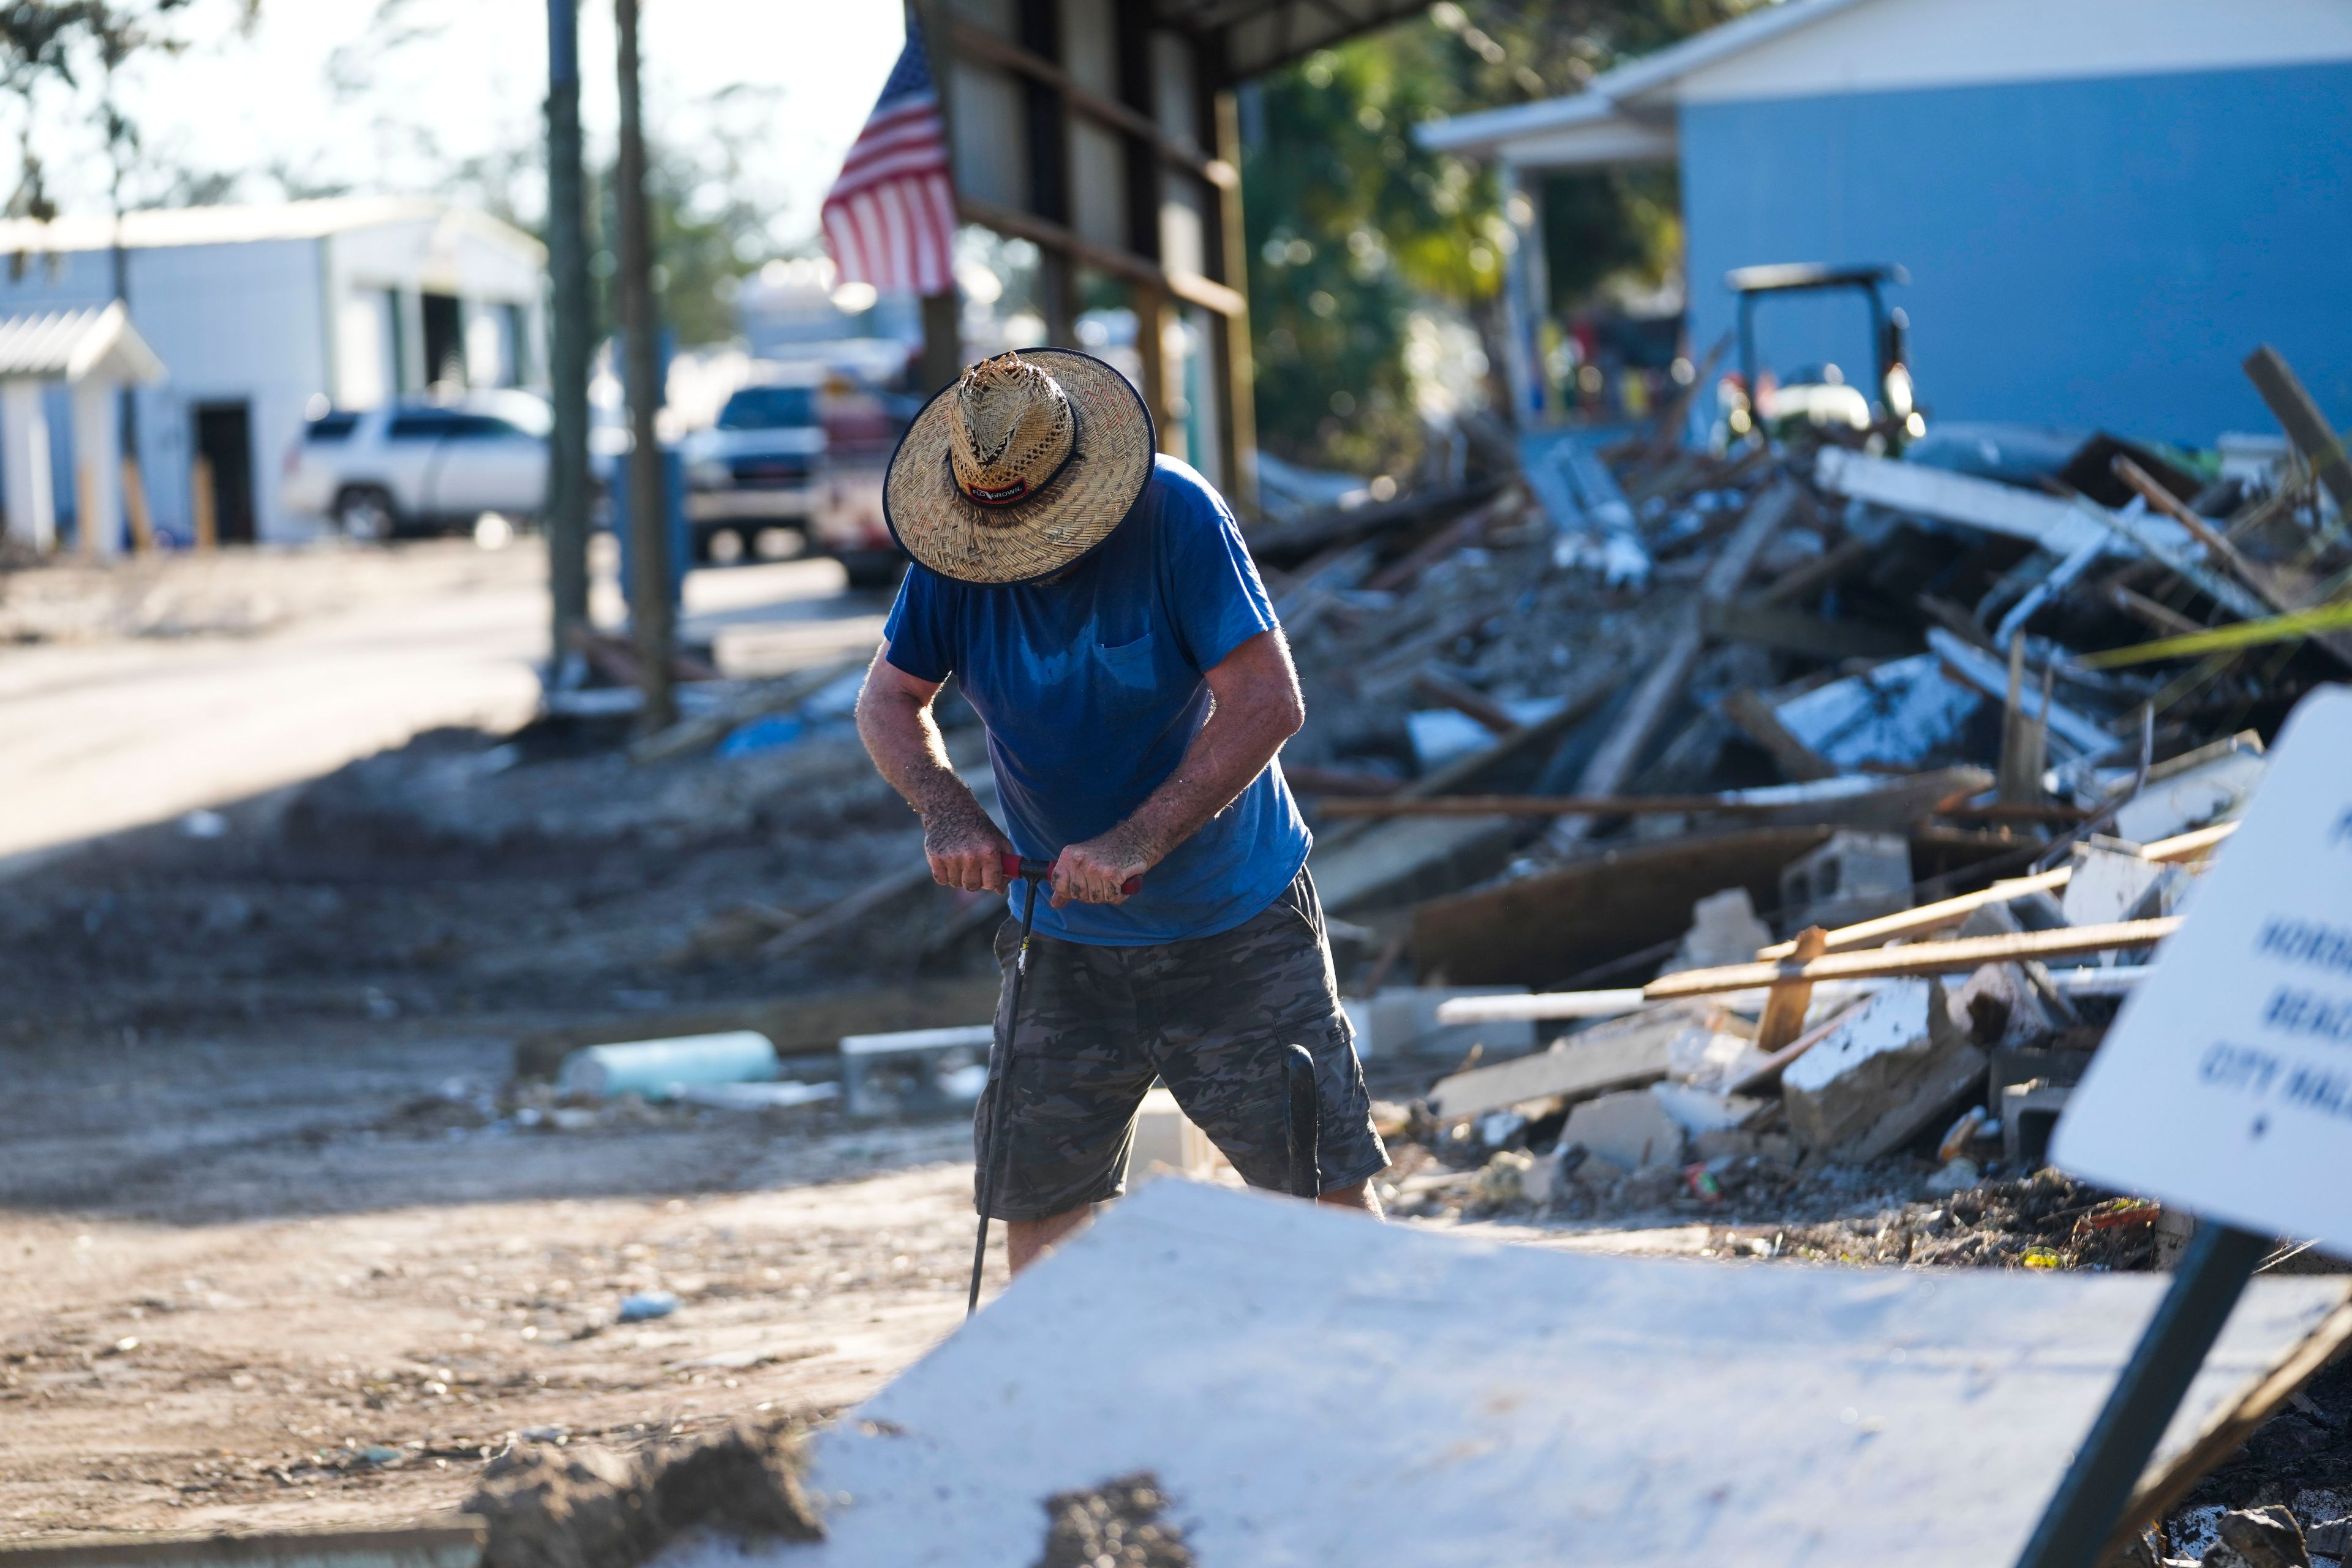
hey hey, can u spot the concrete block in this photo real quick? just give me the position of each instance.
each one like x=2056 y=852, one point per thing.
x=1402 y=1021
x=2028 y=1112
x=1624 y=1053
x=1855 y=877
x=1724 y=929
x=1999 y=1009
x=1701 y=1111
x=1630 y=1129
x=1165 y=1142
x=1878 y=1081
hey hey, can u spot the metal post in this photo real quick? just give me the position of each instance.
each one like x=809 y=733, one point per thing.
x=649 y=579
x=2082 y=1515
x=568 y=333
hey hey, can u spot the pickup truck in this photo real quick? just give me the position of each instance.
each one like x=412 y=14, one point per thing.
x=753 y=469
x=417 y=467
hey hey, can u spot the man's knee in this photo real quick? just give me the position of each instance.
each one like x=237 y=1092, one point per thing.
x=1027 y=1240
x=1355 y=1196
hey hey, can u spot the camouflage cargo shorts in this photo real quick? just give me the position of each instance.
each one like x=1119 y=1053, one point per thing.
x=1208 y=1018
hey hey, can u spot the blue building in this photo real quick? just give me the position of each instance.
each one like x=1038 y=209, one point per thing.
x=2104 y=205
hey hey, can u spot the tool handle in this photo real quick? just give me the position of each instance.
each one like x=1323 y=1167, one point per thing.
x=1041 y=870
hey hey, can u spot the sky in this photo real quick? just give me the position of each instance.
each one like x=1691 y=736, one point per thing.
x=389 y=95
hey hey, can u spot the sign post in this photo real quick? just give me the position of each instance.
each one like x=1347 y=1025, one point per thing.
x=2225 y=1088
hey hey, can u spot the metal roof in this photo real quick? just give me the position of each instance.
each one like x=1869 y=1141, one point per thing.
x=75 y=345
x=1621 y=92
x=161 y=226
x=1244 y=38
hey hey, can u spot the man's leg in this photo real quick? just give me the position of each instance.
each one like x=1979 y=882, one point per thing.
x=1027 y=1240
x=1218 y=1013
x=1076 y=1079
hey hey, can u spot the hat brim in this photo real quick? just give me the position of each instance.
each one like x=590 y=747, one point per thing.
x=996 y=546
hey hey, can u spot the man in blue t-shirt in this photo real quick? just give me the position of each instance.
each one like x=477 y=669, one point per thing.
x=1101 y=614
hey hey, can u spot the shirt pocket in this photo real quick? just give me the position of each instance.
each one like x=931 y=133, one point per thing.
x=1126 y=670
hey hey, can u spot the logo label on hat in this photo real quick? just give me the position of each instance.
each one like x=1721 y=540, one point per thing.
x=999 y=495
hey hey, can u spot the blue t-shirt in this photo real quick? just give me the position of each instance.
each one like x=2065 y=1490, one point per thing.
x=1091 y=688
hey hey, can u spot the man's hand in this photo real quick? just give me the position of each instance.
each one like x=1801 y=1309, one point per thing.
x=966 y=851
x=1097 y=871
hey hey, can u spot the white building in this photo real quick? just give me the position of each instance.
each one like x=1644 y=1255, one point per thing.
x=261 y=315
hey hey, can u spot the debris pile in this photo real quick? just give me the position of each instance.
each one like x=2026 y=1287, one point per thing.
x=1822 y=799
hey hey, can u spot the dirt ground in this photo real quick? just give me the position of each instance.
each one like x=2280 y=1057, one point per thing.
x=285 y=1242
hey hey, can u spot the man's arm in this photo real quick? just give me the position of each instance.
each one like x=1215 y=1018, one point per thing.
x=1257 y=708
x=895 y=720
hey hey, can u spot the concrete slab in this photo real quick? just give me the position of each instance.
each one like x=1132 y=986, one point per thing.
x=1313 y=1388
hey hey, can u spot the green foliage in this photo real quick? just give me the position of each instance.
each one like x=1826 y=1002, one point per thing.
x=48 y=46
x=1349 y=223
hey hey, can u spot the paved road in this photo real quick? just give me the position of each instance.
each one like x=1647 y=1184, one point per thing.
x=115 y=732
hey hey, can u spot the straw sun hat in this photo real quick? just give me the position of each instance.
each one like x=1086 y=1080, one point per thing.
x=1021 y=466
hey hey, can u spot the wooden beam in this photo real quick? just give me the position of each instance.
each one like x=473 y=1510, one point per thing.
x=1828 y=567
x=1785 y=1008
x=2157 y=617
x=1921 y=958
x=1620 y=753
x=984 y=44
x=1756 y=718
x=1792 y=631
x=1190 y=286
x=2299 y=415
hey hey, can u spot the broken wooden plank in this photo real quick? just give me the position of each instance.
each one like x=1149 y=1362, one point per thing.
x=1785 y=1008
x=1537 y=929
x=1474 y=706
x=1943 y=912
x=1794 y=632
x=1612 y=765
x=2299 y=415
x=1923 y=958
x=1595 y=690
x=1844 y=800
x=2148 y=613
x=2054 y=525
x=1757 y=719
x=1799 y=582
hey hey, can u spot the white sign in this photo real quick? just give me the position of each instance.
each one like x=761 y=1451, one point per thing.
x=2225 y=1087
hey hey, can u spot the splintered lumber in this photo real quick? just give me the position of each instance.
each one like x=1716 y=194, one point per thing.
x=2148 y=613
x=1785 y=1008
x=2299 y=415
x=1748 y=708
x=1820 y=572
x=2286 y=592
x=1952 y=911
x=1784 y=630
x=1895 y=798
x=2183 y=846
x=1620 y=754
x=1537 y=929
x=1921 y=958
x=1926 y=917
x=1474 y=706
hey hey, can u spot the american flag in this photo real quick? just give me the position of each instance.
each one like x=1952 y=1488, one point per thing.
x=890 y=216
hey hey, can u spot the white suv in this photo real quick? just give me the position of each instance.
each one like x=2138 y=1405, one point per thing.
x=418 y=466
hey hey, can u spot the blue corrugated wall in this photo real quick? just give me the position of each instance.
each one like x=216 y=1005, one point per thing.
x=2081 y=253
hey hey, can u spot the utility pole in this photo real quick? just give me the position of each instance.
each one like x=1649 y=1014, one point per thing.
x=649 y=575
x=569 y=331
